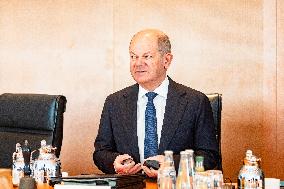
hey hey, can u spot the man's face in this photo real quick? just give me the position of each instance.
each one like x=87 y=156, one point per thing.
x=146 y=63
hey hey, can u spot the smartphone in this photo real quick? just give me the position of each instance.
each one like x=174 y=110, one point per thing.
x=152 y=164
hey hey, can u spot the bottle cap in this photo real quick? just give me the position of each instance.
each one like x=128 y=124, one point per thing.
x=190 y=152
x=199 y=158
x=168 y=152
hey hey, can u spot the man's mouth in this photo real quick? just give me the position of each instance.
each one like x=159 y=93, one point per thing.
x=140 y=71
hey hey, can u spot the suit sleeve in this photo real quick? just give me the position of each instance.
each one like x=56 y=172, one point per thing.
x=205 y=141
x=105 y=148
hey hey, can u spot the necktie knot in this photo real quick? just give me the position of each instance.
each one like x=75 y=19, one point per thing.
x=151 y=95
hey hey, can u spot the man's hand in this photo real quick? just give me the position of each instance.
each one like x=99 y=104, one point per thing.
x=150 y=171
x=124 y=164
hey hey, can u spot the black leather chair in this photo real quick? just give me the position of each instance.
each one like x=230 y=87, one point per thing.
x=216 y=104
x=30 y=116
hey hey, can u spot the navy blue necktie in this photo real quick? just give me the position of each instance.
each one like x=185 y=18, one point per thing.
x=151 y=136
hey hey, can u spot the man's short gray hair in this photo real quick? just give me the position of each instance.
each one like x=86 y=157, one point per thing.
x=164 y=44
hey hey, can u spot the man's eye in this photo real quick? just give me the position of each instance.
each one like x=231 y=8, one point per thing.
x=147 y=57
x=133 y=57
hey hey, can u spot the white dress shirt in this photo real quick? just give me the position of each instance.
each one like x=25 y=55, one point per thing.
x=160 y=105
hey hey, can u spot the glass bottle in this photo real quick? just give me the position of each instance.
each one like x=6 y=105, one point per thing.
x=167 y=173
x=199 y=167
x=251 y=175
x=18 y=165
x=183 y=178
x=200 y=177
x=191 y=164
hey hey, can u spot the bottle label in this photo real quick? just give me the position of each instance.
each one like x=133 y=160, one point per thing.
x=251 y=183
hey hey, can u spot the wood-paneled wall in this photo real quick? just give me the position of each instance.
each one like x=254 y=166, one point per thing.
x=80 y=49
x=280 y=90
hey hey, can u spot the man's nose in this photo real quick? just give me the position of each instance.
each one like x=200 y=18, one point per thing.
x=139 y=61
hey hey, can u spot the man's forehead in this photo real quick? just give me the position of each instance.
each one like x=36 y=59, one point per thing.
x=142 y=52
x=144 y=43
x=143 y=49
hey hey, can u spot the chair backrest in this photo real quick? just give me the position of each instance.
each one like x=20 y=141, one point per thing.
x=31 y=117
x=216 y=104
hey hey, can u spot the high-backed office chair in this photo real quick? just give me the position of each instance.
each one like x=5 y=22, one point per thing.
x=31 y=117
x=216 y=104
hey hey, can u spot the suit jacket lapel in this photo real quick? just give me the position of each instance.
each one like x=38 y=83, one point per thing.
x=174 y=109
x=131 y=97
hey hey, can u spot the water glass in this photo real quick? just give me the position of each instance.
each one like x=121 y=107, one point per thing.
x=216 y=178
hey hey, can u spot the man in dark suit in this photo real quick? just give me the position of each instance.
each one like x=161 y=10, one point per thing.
x=182 y=116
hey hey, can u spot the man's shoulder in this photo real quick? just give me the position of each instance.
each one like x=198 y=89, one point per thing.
x=187 y=91
x=124 y=92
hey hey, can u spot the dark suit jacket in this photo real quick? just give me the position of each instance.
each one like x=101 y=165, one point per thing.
x=188 y=124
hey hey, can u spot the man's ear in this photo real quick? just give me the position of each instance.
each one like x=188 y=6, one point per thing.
x=168 y=57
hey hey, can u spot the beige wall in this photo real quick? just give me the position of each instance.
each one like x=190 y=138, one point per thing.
x=80 y=49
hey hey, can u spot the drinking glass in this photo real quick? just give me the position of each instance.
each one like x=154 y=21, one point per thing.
x=216 y=178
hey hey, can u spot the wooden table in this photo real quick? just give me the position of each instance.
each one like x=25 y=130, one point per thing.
x=5 y=179
x=6 y=182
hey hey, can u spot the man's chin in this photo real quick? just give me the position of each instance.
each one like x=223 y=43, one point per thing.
x=140 y=80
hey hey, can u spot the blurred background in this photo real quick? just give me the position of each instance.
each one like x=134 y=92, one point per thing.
x=79 y=48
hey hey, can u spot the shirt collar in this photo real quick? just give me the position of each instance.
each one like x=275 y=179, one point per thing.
x=162 y=90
